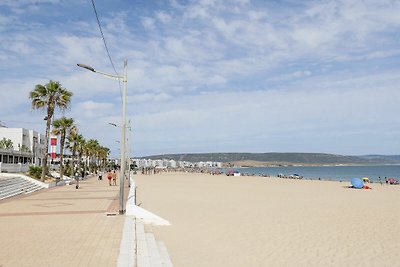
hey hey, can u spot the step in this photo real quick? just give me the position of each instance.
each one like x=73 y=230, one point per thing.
x=15 y=186
x=142 y=252
x=154 y=254
x=33 y=189
x=165 y=259
x=12 y=189
x=12 y=181
x=9 y=195
x=127 y=252
x=150 y=252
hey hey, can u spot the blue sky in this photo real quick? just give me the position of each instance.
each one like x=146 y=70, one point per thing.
x=212 y=76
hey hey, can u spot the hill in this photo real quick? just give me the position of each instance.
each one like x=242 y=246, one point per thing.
x=264 y=159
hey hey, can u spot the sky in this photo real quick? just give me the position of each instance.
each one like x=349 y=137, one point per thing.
x=211 y=76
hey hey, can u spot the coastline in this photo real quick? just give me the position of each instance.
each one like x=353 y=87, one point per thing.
x=256 y=221
x=257 y=164
x=336 y=173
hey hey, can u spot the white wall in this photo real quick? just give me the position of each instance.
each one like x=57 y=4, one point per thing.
x=29 y=138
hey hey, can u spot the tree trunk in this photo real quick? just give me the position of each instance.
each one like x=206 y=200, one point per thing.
x=73 y=160
x=80 y=163
x=62 y=141
x=44 y=165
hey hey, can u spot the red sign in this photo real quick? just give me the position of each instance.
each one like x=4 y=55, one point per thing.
x=53 y=141
x=53 y=147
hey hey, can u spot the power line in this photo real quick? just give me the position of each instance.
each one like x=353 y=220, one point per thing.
x=105 y=45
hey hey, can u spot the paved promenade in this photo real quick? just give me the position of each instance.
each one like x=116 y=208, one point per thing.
x=62 y=226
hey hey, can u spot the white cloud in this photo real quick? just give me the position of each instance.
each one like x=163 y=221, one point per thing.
x=275 y=72
x=164 y=17
x=148 y=23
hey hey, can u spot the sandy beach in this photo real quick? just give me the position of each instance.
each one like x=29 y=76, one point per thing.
x=256 y=221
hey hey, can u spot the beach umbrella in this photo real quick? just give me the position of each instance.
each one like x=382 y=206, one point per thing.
x=357 y=183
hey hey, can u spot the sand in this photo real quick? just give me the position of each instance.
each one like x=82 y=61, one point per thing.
x=256 y=221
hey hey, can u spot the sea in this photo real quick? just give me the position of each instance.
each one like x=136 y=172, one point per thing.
x=333 y=173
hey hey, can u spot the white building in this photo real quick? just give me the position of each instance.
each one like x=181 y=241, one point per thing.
x=172 y=164
x=144 y=163
x=26 y=141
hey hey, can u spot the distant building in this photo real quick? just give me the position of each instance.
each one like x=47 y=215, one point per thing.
x=28 y=146
x=172 y=164
x=169 y=163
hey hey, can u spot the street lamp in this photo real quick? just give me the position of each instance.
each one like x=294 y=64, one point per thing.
x=124 y=79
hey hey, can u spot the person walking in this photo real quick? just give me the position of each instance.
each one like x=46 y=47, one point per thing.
x=109 y=177
x=76 y=174
x=100 y=175
x=114 y=177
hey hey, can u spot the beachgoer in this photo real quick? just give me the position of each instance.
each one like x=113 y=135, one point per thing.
x=100 y=175
x=380 y=180
x=77 y=179
x=109 y=177
x=114 y=177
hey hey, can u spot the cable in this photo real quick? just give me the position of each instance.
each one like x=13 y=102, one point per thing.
x=105 y=45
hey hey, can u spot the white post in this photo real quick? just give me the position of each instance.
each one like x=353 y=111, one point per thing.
x=123 y=141
x=124 y=79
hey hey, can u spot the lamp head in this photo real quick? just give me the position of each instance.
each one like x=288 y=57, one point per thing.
x=86 y=67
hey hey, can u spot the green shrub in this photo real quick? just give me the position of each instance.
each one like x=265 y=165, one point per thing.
x=35 y=171
x=68 y=171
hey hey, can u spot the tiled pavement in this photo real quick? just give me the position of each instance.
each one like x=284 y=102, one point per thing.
x=62 y=226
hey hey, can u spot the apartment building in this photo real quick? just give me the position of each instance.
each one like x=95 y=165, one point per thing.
x=28 y=146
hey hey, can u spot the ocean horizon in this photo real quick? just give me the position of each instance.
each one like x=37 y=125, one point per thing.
x=333 y=173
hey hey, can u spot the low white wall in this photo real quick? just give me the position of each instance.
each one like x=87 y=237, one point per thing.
x=13 y=168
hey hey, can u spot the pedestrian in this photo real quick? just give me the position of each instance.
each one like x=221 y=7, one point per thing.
x=114 y=177
x=109 y=177
x=83 y=174
x=380 y=180
x=76 y=174
x=100 y=175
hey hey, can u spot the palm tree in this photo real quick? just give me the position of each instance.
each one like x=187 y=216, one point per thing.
x=49 y=96
x=92 y=146
x=103 y=154
x=81 y=149
x=61 y=127
x=72 y=143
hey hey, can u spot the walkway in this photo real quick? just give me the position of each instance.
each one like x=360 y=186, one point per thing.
x=62 y=226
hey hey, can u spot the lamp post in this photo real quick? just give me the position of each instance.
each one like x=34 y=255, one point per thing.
x=124 y=79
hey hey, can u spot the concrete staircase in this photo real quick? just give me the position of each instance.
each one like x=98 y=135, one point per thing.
x=12 y=186
x=139 y=248
x=149 y=252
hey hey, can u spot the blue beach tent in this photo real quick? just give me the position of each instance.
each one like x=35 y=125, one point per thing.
x=357 y=183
